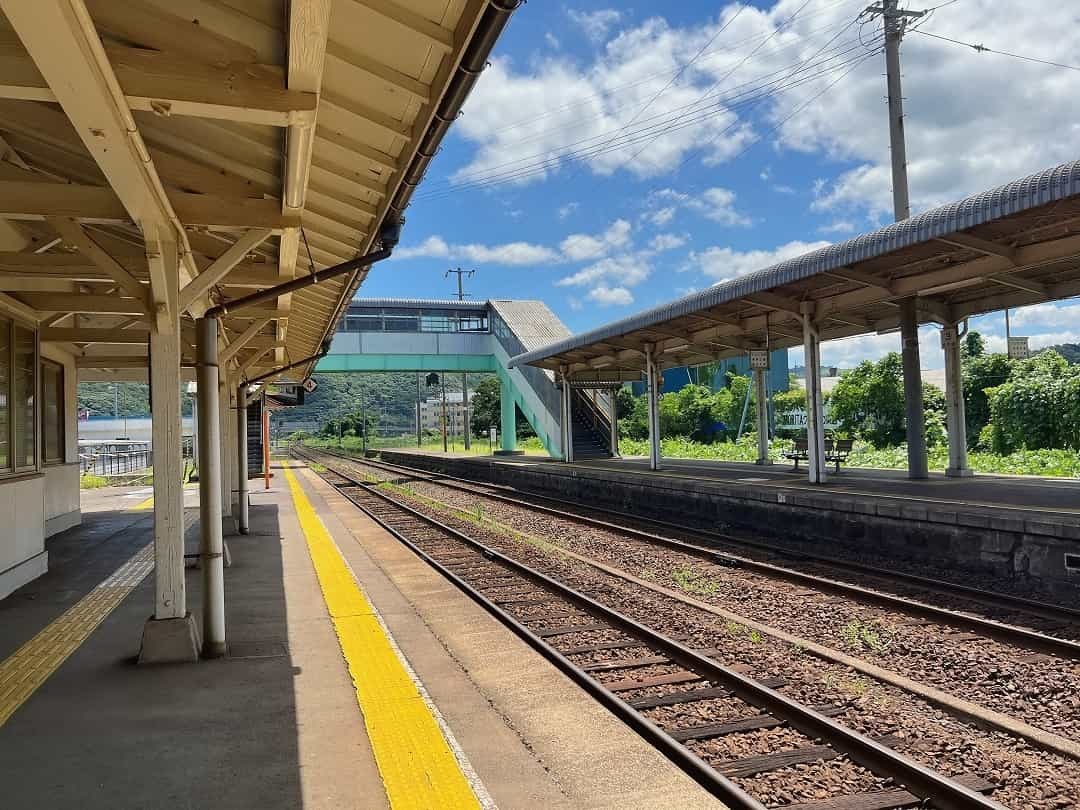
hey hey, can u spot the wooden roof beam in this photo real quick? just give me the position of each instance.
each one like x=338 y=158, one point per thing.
x=984 y=246
x=172 y=84
x=73 y=234
x=434 y=33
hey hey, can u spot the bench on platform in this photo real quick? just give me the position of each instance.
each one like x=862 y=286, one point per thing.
x=836 y=451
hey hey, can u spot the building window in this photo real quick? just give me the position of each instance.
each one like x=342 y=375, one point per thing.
x=18 y=398
x=52 y=413
x=24 y=397
x=5 y=395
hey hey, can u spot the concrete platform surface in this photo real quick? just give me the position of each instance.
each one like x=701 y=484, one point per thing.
x=276 y=724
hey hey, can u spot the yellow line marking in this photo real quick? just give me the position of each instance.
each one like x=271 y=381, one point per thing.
x=147 y=504
x=418 y=767
x=25 y=670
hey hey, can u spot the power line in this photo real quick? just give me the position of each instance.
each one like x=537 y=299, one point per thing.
x=980 y=48
x=706 y=56
x=694 y=107
x=697 y=114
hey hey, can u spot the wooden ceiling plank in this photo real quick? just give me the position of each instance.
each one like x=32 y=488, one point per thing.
x=435 y=34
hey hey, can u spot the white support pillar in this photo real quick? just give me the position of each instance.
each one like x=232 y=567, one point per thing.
x=242 y=456
x=613 y=417
x=211 y=551
x=652 y=389
x=170 y=636
x=955 y=422
x=815 y=415
x=224 y=446
x=567 y=418
x=761 y=403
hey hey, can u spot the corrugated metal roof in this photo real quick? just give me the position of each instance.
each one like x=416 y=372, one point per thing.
x=1051 y=185
x=531 y=321
x=441 y=303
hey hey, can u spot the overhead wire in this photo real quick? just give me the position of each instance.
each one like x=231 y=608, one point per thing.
x=980 y=48
x=731 y=104
x=705 y=57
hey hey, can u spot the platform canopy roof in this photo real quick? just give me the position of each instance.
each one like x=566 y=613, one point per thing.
x=260 y=137
x=1011 y=246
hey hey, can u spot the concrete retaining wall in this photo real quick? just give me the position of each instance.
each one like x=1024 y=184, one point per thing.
x=1013 y=544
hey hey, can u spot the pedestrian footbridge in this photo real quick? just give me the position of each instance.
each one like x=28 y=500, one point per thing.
x=394 y=334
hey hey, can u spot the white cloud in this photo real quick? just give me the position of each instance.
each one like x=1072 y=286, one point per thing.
x=716 y=204
x=724 y=263
x=582 y=247
x=838 y=226
x=972 y=120
x=667 y=241
x=511 y=253
x=595 y=24
x=626 y=271
x=566 y=210
x=611 y=296
x=552 y=41
x=662 y=216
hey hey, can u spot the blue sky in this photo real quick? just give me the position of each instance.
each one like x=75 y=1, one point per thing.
x=612 y=158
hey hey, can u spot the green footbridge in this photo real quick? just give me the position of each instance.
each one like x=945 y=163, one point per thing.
x=395 y=334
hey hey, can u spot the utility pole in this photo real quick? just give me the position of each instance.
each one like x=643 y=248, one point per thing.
x=895 y=21
x=461 y=274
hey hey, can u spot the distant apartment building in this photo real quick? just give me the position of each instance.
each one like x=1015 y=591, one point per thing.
x=431 y=412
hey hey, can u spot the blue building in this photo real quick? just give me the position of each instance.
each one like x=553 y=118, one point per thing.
x=675 y=379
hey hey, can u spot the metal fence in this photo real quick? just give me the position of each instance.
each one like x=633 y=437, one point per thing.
x=120 y=457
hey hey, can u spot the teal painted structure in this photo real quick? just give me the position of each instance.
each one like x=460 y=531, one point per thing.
x=394 y=335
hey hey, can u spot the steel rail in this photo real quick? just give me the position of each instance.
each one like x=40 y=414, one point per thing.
x=1000 y=631
x=943 y=791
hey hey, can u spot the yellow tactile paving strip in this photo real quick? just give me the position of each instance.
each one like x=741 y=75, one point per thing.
x=26 y=669
x=29 y=666
x=418 y=767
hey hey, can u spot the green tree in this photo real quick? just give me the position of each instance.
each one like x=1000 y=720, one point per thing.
x=981 y=372
x=486 y=408
x=974 y=345
x=1038 y=407
x=868 y=402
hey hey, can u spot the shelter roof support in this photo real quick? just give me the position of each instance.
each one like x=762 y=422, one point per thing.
x=815 y=415
x=652 y=388
x=211 y=550
x=913 y=396
x=566 y=393
x=761 y=404
x=955 y=421
x=613 y=418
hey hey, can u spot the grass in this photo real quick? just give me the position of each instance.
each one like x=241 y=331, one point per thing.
x=480 y=446
x=690 y=581
x=1053 y=463
x=866 y=636
x=91 y=481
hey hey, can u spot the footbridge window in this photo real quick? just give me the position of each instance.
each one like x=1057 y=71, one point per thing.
x=404 y=319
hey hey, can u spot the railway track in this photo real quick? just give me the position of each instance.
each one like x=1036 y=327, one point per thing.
x=646 y=677
x=1054 y=622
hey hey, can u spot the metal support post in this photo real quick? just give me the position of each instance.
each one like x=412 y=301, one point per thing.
x=761 y=407
x=913 y=396
x=613 y=414
x=567 y=419
x=419 y=442
x=955 y=422
x=815 y=413
x=242 y=455
x=466 y=429
x=225 y=424
x=211 y=551
x=652 y=385
x=507 y=417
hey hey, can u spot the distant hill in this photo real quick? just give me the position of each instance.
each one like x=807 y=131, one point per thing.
x=127 y=398
x=391 y=395
x=1070 y=351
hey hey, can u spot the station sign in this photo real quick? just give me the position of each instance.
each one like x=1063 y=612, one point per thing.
x=759 y=359
x=1018 y=348
x=309 y=385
